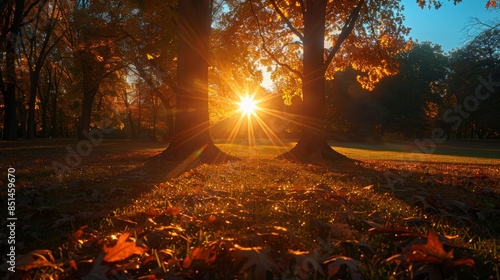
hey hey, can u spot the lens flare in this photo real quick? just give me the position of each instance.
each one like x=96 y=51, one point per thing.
x=247 y=105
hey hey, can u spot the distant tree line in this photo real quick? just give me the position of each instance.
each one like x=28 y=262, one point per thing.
x=67 y=65
x=458 y=92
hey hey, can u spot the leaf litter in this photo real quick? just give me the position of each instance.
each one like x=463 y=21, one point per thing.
x=270 y=219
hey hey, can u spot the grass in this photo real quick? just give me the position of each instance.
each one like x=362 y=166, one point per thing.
x=259 y=217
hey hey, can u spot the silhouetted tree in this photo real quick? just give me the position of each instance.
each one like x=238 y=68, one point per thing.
x=12 y=17
x=409 y=97
x=192 y=141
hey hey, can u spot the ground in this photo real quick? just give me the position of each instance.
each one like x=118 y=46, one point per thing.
x=258 y=216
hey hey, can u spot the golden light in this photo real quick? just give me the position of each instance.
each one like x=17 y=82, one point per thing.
x=252 y=122
x=247 y=105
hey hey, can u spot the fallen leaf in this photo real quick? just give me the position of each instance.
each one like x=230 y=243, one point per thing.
x=335 y=263
x=39 y=263
x=173 y=210
x=212 y=218
x=73 y=265
x=153 y=212
x=256 y=260
x=464 y=261
x=306 y=262
x=123 y=249
x=432 y=249
x=36 y=259
x=430 y=252
x=206 y=255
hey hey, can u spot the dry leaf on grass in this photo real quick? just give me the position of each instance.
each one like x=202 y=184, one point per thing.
x=206 y=255
x=433 y=248
x=336 y=262
x=36 y=259
x=306 y=262
x=173 y=210
x=153 y=212
x=123 y=249
x=257 y=258
x=431 y=252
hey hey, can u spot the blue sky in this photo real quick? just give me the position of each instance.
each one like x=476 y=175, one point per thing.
x=446 y=25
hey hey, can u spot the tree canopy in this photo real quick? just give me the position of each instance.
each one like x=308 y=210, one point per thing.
x=66 y=65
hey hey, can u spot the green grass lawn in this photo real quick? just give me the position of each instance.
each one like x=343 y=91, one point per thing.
x=401 y=152
x=392 y=215
x=465 y=152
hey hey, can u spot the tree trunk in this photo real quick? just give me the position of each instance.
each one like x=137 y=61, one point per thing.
x=89 y=94
x=54 y=115
x=170 y=122
x=45 y=130
x=44 y=103
x=129 y=115
x=312 y=145
x=192 y=139
x=34 y=78
x=10 y=120
x=155 y=115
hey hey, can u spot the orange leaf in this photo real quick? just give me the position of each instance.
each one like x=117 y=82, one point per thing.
x=433 y=249
x=73 y=265
x=35 y=260
x=212 y=218
x=335 y=263
x=37 y=264
x=199 y=253
x=256 y=260
x=152 y=212
x=123 y=249
x=465 y=261
x=431 y=252
x=173 y=210
x=76 y=238
x=79 y=232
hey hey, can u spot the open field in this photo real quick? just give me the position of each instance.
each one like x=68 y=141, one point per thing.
x=259 y=216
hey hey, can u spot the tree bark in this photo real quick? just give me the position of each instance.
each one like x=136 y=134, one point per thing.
x=89 y=93
x=54 y=131
x=192 y=140
x=9 y=94
x=34 y=79
x=312 y=145
x=129 y=115
x=170 y=122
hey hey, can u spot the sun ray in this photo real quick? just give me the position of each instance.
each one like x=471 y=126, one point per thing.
x=257 y=114
x=248 y=105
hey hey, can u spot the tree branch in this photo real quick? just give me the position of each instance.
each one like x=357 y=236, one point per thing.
x=287 y=20
x=346 y=30
x=264 y=46
x=28 y=10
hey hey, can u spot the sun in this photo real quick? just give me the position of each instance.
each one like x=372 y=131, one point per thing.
x=247 y=105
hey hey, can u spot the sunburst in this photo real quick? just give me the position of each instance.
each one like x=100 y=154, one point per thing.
x=248 y=105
